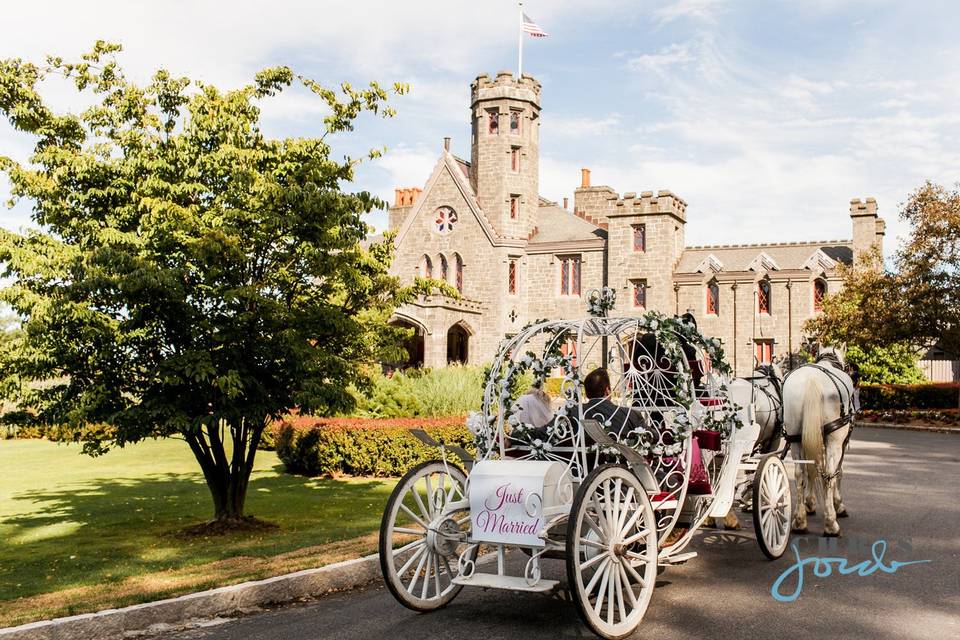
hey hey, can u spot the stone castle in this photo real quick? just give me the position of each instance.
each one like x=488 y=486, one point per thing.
x=515 y=256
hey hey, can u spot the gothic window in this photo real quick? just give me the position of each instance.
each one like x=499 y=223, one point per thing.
x=446 y=219
x=763 y=297
x=458 y=275
x=570 y=276
x=515 y=159
x=639 y=237
x=515 y=115
x=443 y=267
x=713 y=299
x=513 y=276
x=763 y=351
x=819 y=293
x=493 y=118
x=514 y=207
x=639 y=294
x=426 y=267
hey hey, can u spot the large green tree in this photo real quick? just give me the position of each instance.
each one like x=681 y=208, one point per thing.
x=914 y=305
x=189 y=276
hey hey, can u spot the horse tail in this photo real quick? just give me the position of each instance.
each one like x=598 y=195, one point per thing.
x=811 y=432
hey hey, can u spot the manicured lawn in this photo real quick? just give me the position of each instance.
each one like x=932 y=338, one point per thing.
x=79 y=533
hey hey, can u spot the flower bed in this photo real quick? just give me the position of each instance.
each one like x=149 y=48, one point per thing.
x=362 y=446
x=931 y=417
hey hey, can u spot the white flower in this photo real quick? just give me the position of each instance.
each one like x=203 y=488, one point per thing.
x=654 y=324
x=476 y=423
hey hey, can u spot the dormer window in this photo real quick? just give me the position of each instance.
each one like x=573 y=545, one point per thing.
x=515 y=119
x=493 y=119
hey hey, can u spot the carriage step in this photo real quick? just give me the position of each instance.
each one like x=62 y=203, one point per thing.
x=510 y=583
x=679 y=558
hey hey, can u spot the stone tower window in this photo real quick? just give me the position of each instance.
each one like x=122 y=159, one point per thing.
x=763 y=297
x=493 y=119
x=426 y=267
x=713 y=299
x=819 y=293
x=514 y=207
x=513 y=277
x=639 y=237
x=515 y=119
x=458 y=273
x=570 y=276
x=639 y=294
x=446 y=219
x=515 y=159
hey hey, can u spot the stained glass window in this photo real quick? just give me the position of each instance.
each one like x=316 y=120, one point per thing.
x=713 y=299
x=446 y=219
x=763 y=296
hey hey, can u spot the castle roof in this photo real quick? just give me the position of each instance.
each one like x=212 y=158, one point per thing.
x=555 y=224
x=772 y=256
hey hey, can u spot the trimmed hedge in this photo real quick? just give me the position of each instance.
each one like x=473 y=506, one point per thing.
x=884 y=397
x=362 y=446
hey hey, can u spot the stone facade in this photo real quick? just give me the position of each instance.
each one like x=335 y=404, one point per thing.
x=517 y=257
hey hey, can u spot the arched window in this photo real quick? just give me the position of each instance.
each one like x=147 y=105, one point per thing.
x=713 y=299
x=426 y=267
x=446 y=219
x=819 y=293
x=458 y=274
x=443 y=267
x=763 y=297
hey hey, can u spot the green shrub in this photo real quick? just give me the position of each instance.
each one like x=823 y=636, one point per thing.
x=453 y=390
x=894 y=364
x=362 y=447
x=910 y=396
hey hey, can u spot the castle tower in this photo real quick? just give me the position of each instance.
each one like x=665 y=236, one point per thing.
x=505 y=150
x=868 y=226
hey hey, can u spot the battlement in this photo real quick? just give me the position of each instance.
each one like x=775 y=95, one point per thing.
x=504 y=85
x=866 y=208
x=664 y=201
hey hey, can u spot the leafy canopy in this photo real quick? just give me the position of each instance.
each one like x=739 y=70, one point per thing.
x=189 y=273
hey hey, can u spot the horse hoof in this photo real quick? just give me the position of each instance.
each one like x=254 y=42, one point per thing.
x=843 y=514
x=811 y=512
x=798 y=530
x=827 y=534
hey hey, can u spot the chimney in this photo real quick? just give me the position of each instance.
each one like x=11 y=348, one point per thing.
x=584 y=178
x=566 y=202
x=446 y=145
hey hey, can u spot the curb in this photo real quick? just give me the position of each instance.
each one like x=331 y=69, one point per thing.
x=908 y=427
x=222 y=601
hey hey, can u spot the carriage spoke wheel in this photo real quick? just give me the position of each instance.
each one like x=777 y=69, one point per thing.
x=421 y=539
x=771 y=506
x=611 y=551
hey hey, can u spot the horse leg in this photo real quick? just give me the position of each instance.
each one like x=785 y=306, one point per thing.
x=838 y=498
x=800 y=512
x=830 y=495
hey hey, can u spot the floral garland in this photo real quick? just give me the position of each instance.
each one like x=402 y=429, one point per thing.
x=601 y=302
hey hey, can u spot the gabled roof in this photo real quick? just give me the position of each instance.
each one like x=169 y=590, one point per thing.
x=710 y=263
x=454 y=167
x=763 y=262
x=819 y=261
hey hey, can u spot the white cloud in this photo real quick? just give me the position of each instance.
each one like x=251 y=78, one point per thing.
x=701 y=10
x=662 y=60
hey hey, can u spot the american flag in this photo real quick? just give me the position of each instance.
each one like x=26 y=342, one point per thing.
x=531 y=27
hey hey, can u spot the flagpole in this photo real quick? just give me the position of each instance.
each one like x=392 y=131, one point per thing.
x=520 y=43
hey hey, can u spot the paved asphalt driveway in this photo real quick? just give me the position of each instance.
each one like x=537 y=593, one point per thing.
x=900 y=486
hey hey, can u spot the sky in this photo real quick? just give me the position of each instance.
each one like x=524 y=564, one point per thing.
x=766 y=117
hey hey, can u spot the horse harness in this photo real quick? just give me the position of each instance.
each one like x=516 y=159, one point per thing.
x=776 y=401
x=846 y=410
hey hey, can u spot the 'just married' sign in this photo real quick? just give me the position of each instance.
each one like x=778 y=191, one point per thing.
x=506 y=499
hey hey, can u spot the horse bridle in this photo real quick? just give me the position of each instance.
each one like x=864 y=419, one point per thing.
x=775 y=397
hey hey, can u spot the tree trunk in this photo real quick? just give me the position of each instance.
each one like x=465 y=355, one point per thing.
x=227 y=479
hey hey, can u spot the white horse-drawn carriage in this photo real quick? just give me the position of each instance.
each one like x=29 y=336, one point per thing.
x=616 y=484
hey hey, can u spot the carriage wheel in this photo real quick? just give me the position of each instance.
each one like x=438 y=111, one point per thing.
x=771 y=506
x=611 y=551
x=420 y=544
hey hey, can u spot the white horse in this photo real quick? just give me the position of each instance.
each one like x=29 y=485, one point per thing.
x=763 y=390
x=818 y=418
